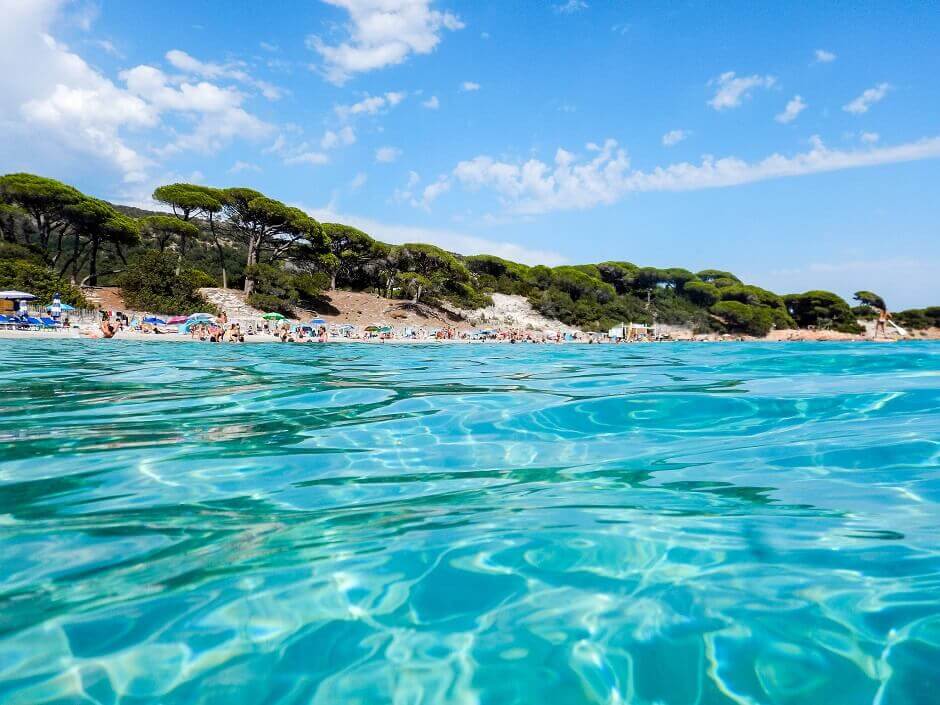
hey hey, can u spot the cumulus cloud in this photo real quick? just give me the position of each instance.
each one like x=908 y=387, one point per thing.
x=824 y=57
x=234 y=71
x=571 y=183
x=674 y=137
x=381 y=33
x=387 y=155
x=733 y=89
x=795 y=106
x=56 y=102
x=432 y=103
x=869 y=137
x=371 y=105
x=340 y=138
x=469 y=86
x=868 y=98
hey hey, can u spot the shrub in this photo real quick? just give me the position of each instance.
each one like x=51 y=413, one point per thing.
x=150 y=283
x=745 y=318
x=822 y=309
x=31 y=275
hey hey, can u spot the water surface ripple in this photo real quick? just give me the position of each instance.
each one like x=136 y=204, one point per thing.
x=272 y=524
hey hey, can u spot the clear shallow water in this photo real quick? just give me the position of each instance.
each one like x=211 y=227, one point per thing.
x=681 y=524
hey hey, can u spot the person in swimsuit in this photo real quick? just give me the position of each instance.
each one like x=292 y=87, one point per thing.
x=883 y=317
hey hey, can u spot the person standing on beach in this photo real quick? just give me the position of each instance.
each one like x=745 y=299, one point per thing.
x=883 y=317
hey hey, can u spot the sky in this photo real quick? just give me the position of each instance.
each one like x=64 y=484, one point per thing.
x=797 y=144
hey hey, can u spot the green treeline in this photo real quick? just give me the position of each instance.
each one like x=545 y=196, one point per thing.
x=55 y=238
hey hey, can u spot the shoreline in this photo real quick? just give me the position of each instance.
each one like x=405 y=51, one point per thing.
x=792 y=337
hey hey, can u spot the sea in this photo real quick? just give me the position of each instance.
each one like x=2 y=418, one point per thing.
x=479 y=524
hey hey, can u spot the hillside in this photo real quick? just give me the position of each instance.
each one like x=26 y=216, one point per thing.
x=284 y=260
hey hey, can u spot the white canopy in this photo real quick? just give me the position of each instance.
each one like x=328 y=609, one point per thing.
x=16 y=295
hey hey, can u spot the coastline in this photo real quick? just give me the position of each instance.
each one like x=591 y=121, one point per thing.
x=782 y=336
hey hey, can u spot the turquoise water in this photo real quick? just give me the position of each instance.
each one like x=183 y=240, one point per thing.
x=681 y=524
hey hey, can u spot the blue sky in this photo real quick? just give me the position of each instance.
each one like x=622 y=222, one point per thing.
x=797 y=146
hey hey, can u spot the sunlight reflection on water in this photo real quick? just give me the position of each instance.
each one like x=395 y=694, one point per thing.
x=186 y=523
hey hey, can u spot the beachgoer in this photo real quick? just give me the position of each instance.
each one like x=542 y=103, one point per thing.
x=883 y=317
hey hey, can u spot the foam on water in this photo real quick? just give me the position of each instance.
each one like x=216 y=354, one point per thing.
x=682 y=524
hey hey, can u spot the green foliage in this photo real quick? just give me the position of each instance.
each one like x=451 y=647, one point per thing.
x=24 y=269
x=713 y=275
x=870 y=299
x=702 y=293
x=278 y=290
x=162 y=229
x=864 y=312
x=821 y=309
x=495 y=274
x=919 y=318
x=744 y=318
x=150 y=283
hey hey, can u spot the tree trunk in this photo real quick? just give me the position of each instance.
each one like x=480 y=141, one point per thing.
x=333 y=281
x=417 y=294
x=93 y=262
x=219 y=251
x=250 y=262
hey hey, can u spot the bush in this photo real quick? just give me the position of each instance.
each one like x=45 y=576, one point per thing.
x=702 y=293
x=745 y=318
x=24 y=270
x=150 y=283
x=822 y=309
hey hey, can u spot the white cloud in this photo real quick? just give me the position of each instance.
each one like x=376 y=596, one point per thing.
x=53 y=98
x=341 y=138
x=732 y=89
x=234 y=71
x=869 y=137
x=569 y=7
x=868 y=98
x=56 y=101
x=450 y=240
x=674 y=137
x=382 y=33
x=312 y=158
x=432 y=103
x=371 y=105
x=434 y=190
x=469 y=86
x=824 y=57
x=240 y=166
x=269 y=46
x=795 y=106
x=358 y=181
x=108 y=47
x=387 y=155
x=569 y=183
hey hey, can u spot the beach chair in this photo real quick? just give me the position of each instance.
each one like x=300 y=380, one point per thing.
x=5 y=323
x=48 y=323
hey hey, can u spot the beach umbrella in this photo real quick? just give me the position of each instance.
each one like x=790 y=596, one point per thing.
x=13 y=295
x=200 y=317
x=273 y=316
x=65 y=307
x=318 y=322
x=176 y=319
x=154 y=320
